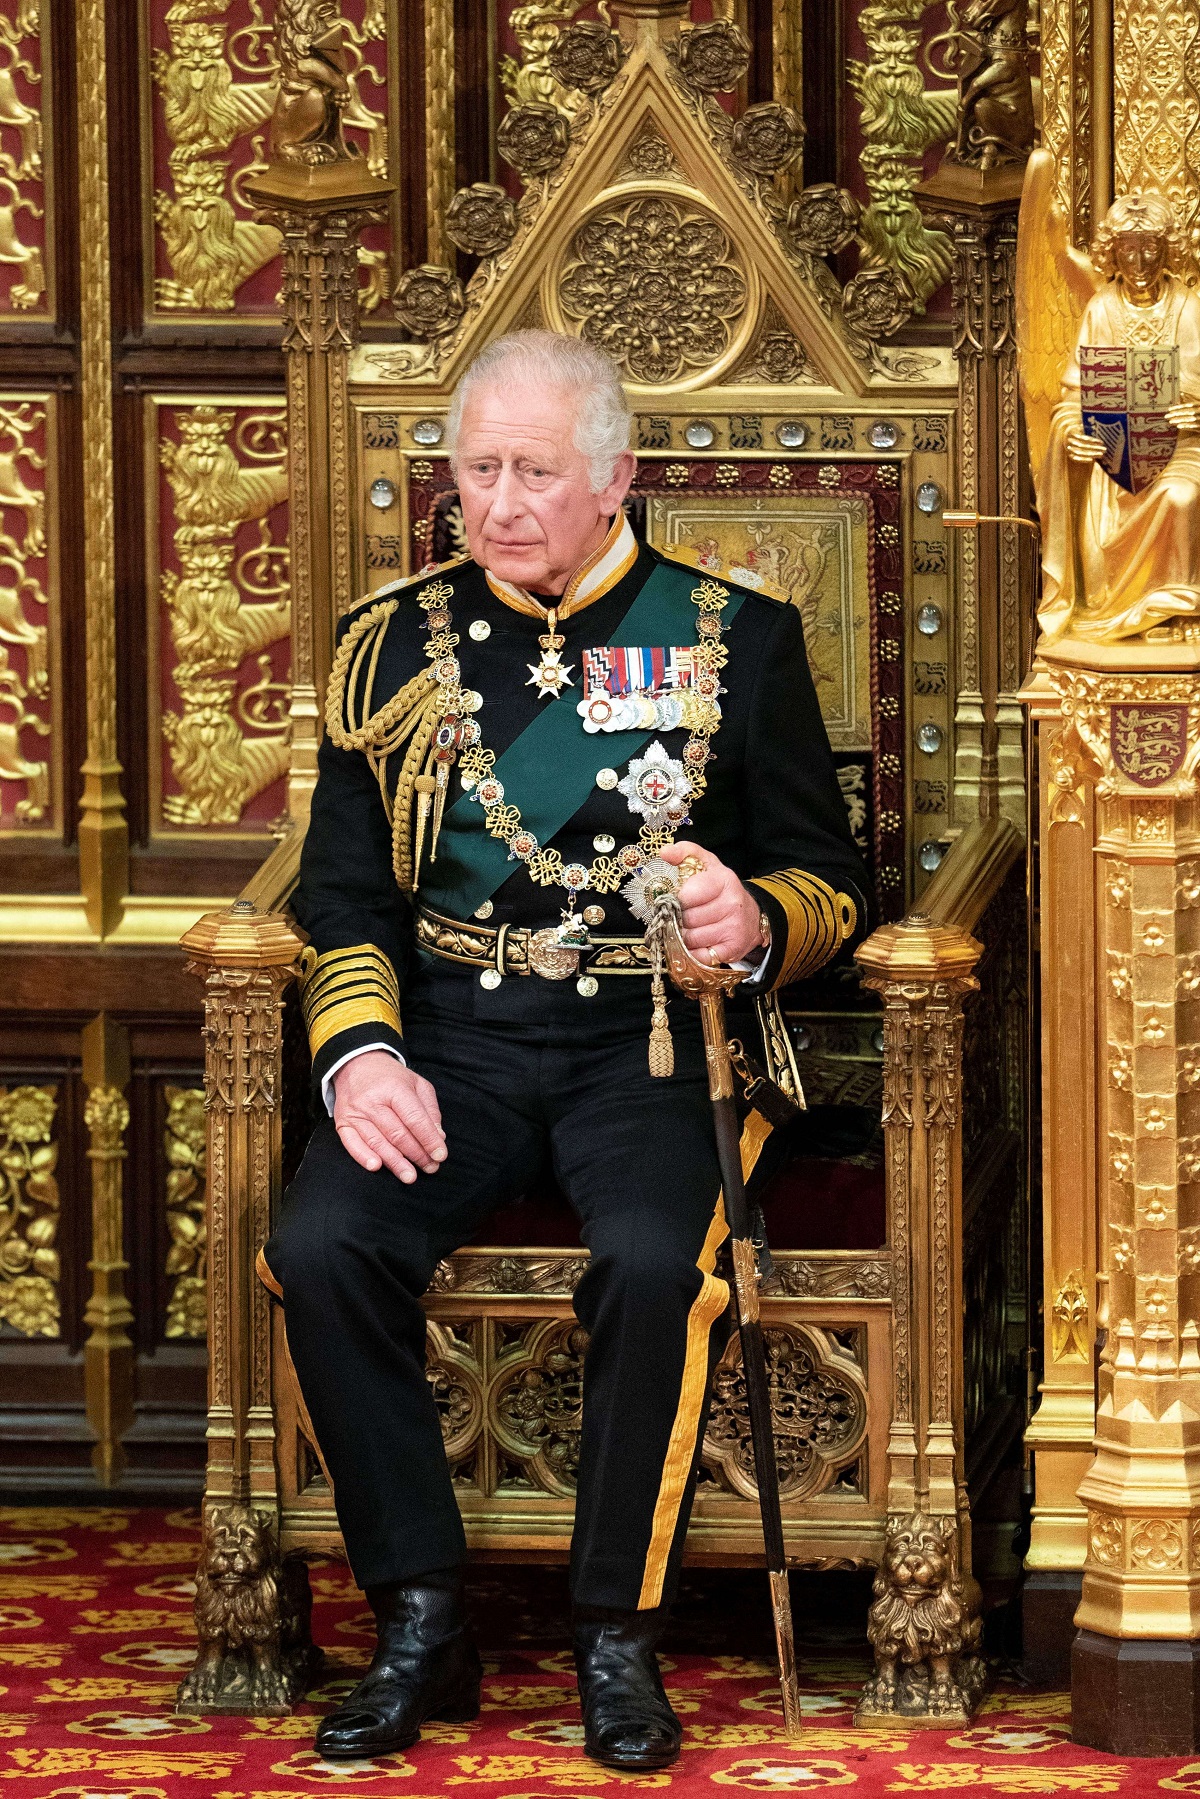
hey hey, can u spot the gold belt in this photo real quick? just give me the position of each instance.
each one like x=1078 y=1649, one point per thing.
x=515 y=949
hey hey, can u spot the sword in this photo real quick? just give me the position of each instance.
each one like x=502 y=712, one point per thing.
x=709 y=986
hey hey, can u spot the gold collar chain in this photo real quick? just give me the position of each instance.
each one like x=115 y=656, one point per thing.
x=457 y=737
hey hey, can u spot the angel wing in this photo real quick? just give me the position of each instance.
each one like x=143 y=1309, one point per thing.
x=1054 y=284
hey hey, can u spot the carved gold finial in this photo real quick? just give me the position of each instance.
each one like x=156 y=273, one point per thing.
x=306 y=126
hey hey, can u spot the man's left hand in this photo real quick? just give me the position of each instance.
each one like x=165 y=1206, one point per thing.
x=719 y=914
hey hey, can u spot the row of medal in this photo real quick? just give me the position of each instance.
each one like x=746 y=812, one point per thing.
x=642 y=711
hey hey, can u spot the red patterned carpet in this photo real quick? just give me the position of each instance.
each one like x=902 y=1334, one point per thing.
x=95 y=1629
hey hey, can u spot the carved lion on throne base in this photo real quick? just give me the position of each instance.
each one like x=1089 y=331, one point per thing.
x=924 y=1628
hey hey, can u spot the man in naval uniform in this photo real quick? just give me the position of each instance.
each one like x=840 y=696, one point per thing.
x=512 y=738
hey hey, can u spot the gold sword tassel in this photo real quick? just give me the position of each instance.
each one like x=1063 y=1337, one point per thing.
x=662 y=1044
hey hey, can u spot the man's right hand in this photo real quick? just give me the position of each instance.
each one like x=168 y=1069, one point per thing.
x=387 y=1116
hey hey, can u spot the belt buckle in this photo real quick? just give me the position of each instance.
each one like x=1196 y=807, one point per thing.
x=550 y=958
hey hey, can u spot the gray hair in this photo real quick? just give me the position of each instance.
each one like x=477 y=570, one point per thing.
x=602 y=420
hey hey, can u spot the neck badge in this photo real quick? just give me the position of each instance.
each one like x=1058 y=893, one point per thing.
x=547 y=674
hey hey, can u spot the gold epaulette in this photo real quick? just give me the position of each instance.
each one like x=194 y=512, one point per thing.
x=346 y=987
x=819 y=920
x=734 y=573
x=404 y=582
x=348 y=715
x=406 y=720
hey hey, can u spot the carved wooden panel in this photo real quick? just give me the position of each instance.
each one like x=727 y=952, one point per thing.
x=186 y=1264
x=30 y=1299
x=209 y=81
x=902 y=109
x=510 y=1393
x=26 y=168
x=219 y=613
x=30 y=639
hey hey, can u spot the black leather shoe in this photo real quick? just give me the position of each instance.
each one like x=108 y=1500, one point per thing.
x=425 y=1667
x=627 y=1722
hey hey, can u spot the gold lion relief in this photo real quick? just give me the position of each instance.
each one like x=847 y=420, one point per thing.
x=226 y=746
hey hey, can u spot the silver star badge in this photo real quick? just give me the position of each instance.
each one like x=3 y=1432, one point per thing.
x=655 y=786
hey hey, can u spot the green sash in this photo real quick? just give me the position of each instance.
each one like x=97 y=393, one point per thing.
x=549 y=770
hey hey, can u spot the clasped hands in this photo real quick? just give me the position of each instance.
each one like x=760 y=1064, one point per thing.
x=387 y=1115
x=1083 y=447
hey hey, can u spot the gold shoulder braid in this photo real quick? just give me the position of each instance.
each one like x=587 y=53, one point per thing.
x=416 y=716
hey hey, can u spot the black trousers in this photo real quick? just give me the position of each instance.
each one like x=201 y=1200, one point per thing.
x=354 y=1251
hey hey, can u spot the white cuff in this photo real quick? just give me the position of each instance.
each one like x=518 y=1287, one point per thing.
x=329 y=1092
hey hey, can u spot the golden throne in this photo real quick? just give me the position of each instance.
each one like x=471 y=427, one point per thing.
x=775 y=431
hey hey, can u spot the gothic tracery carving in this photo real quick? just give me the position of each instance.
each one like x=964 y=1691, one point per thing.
x=656 y=283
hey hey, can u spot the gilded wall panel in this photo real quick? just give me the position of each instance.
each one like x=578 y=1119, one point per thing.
x=209 y=81
x=1156 y=93
x=29 y=1261
x=26 y=238
x=902 y=116
x=30 y=647
x=219 y=612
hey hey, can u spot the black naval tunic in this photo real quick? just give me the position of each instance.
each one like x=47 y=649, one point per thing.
x=533 y=1073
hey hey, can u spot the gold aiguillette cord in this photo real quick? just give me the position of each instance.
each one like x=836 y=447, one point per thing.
x=424 y=785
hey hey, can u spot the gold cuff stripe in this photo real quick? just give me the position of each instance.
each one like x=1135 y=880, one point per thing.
x=345 y=1017
x=818 y=920
x=347 y=987
x=707 y=1307
x=341 y=981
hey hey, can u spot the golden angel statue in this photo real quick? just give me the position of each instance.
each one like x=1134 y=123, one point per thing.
x=1110 y=373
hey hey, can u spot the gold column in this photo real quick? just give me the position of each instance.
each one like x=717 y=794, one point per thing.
x=103 y=833
x=108 y=1356
x=1062 y=1428
x=246 y=959
x=319 y=196
x=441 y=177
x=1070 y=107
x=787 y=73
x=978 y=212
x=923 y=969
x=1142 y=1574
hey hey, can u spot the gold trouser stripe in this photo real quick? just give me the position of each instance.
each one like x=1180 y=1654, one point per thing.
x=707 y=1307
x=263 y=1270
x=818 y=920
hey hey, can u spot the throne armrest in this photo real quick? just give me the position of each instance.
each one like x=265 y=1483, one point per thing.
x=923 y=969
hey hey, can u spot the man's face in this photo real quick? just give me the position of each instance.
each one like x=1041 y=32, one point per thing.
x=530 y=515
x=1141 y=257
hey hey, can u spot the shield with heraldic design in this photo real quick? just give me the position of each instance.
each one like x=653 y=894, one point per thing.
x=1149 y=742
